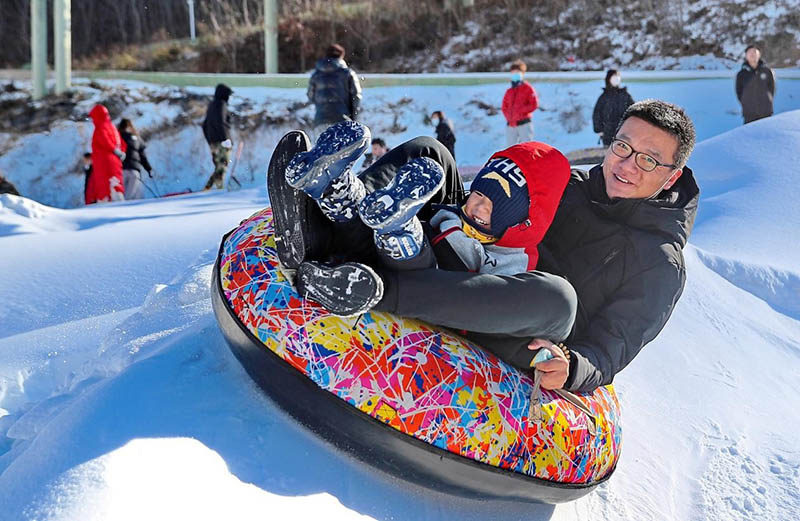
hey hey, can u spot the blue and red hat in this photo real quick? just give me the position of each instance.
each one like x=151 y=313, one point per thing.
x=504 y=183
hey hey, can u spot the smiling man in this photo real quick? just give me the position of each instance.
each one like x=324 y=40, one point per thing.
x=618 y=238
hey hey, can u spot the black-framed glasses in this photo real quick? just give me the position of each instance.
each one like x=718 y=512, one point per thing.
x=642 y=160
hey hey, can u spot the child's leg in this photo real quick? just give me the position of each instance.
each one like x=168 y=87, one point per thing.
x=391 y=211
x=324 y=172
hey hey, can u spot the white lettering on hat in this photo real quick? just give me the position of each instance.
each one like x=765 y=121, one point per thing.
x=509 y=168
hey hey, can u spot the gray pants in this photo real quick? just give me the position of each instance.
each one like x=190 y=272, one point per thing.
x=501 y=313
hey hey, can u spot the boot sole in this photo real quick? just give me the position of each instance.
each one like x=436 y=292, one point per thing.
x=387 y=209
x=345 y=290
x=293 y=212
x=333 y=155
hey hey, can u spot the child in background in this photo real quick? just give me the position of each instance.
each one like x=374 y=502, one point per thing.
x=87 y=172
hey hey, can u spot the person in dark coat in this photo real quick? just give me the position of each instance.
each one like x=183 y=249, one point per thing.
x=6 y=186
x=755 y=86
x=444 y=131
x=334 y=90
x=610 y=107
x=217 y=130
x=135 y=163
x=611 y=265
x=87 y=173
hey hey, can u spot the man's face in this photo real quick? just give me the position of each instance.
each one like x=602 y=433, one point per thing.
x=377 y=150
x=752 y=56
x=624 y=178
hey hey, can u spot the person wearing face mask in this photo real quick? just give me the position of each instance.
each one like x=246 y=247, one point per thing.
x=610 y=107
x=519 y=102
x=755 y=86
x=444 y=131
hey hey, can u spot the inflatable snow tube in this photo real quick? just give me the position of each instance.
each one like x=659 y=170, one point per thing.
x=413 y=400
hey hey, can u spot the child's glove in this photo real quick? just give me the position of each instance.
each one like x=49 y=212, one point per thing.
x=445 y=219
x=120 y=154
x=227 y=144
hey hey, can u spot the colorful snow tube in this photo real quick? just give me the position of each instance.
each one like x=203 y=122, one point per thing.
x=416 y=401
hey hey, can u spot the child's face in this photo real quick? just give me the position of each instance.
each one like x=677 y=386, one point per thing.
x=479 y=208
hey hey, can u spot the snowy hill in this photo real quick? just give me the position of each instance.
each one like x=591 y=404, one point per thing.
x=119 y=398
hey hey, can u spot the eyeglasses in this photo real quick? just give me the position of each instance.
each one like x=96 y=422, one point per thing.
x=643 y=161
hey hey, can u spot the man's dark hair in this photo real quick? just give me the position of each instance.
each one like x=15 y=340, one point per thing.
x=378 y=141
x=753 y=46
x=87 y=154
x=518 y=65
x=335 y=51
x=670 y=118
x=437 y=113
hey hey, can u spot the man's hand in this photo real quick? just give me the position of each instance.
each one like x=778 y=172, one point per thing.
x=227 y=144
x=554 y=371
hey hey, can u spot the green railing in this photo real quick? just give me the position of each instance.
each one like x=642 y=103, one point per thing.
x=182 y=79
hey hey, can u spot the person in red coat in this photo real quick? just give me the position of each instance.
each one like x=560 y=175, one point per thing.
x=519 y=103
x=108 y=151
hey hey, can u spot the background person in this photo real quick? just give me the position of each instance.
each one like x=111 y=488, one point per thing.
x=378 y=150
x=445 y=132
x=519 y=102
x=135 y=162
x=334 y=90
x=755 y=86
x=610 y=107
x=108 y=151
x=217 y=131
x=87 y=172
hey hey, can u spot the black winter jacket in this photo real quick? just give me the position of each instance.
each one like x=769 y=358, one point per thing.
x=335 y=91
x=755 y=89
x=7 y=187
x=135 y=158
x=624 y=258
x=446 y=136
x=608 y=110
x=217 y=125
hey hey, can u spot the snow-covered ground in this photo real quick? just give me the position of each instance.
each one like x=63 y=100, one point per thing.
x=47 y=166
x=119 y=398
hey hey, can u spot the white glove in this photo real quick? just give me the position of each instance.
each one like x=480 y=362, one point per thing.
x=120 y=154
x=227 y=144
x=445 y=219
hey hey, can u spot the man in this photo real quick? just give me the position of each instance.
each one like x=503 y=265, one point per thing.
x=217 y=130
x=444 y=131
x=334 y=90
x=379 y=149
x=519 y=102
x=755 y=86
x=610 y=270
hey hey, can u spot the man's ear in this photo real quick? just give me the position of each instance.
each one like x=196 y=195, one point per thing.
x=673 y=178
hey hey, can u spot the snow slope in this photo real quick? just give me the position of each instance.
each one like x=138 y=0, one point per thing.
x=119 y=398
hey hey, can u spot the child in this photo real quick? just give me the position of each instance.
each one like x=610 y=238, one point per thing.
x=87 y=173
x=496 y=231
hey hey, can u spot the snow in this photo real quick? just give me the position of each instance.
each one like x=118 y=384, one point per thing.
x=119 y=398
